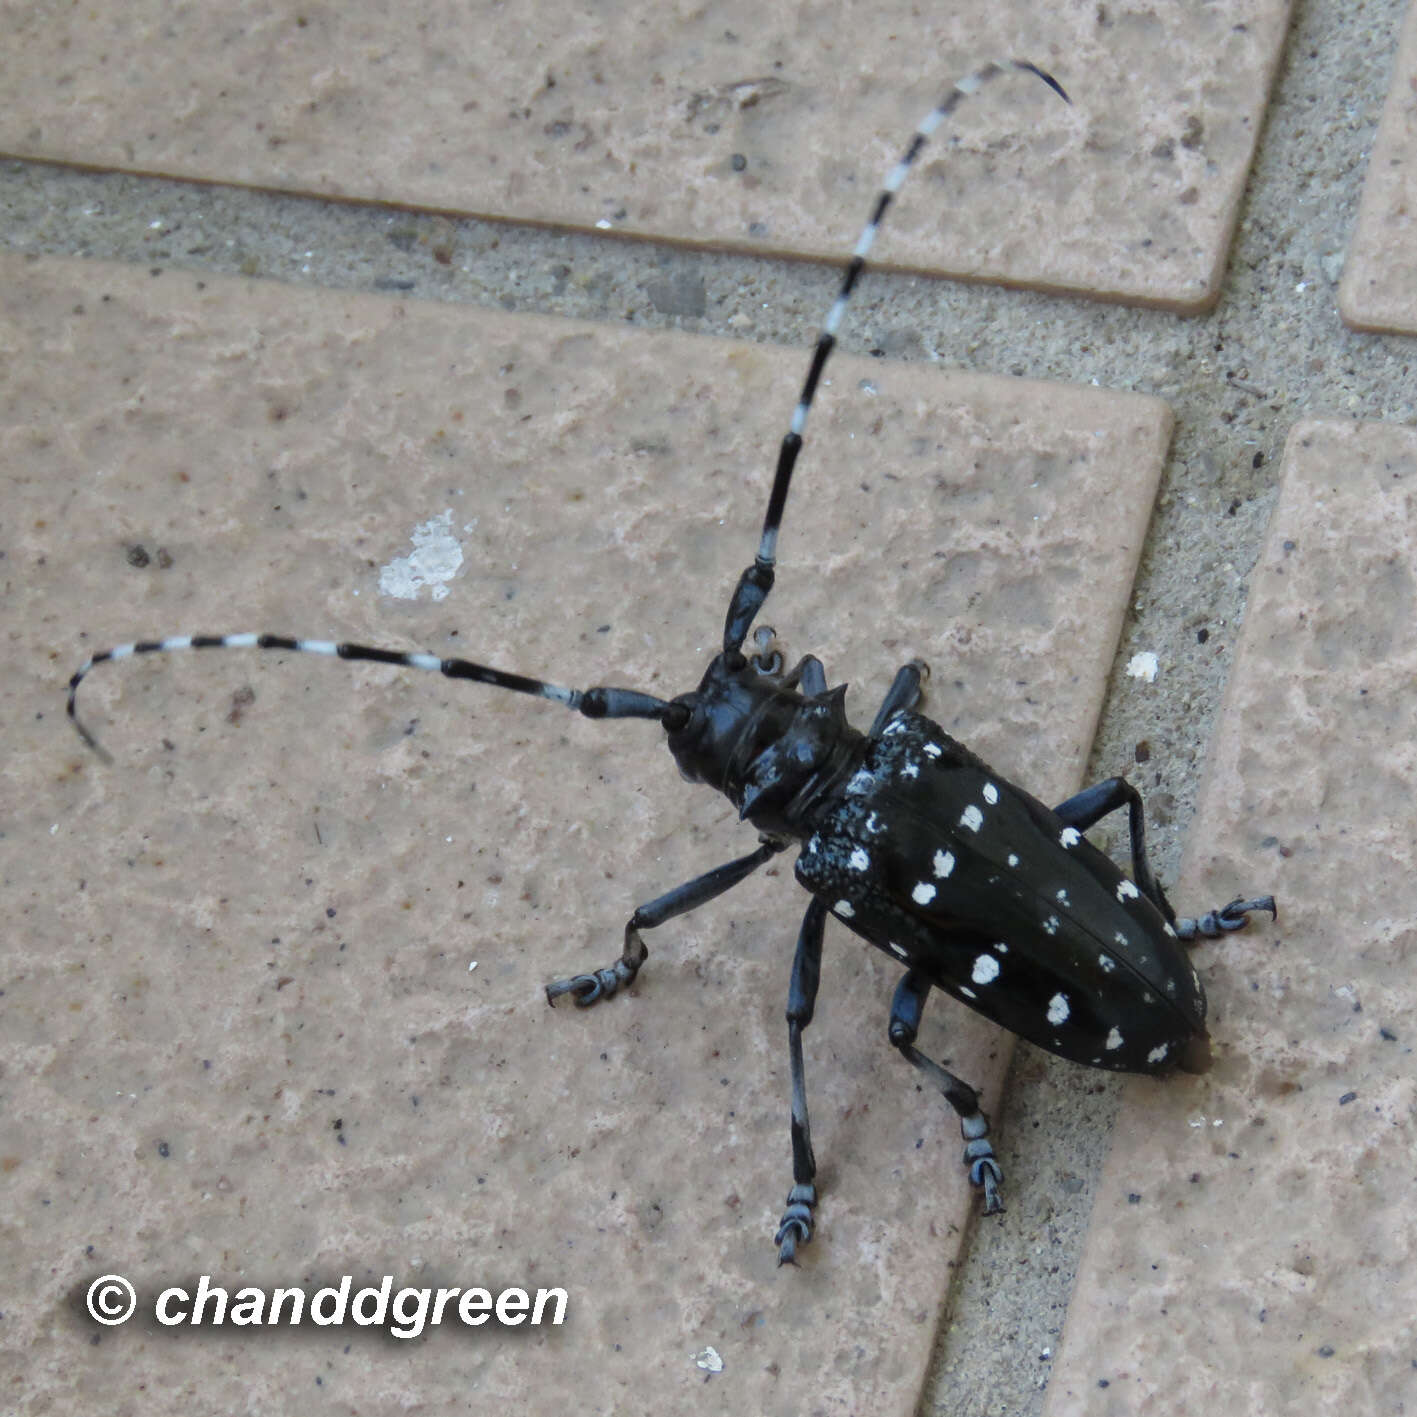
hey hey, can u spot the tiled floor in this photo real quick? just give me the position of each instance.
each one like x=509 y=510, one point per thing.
x=241 y=1034
x=1379 y=289
x=720 y=123
x=1274 y=1197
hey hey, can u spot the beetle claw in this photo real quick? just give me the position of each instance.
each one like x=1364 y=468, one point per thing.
x=1234 y=916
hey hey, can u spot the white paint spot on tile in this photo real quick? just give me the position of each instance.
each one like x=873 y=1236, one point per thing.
x=432 y=563
x=1143 y=666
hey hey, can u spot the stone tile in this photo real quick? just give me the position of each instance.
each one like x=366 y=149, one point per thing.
x=765 y=129
x=244 y=1034
x=1379 y=286
x=1252 y=1246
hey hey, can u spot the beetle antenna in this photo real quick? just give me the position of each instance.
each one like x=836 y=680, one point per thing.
x=593 y=703
x=755 y=582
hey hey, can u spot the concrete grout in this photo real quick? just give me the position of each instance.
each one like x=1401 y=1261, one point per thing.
x=1238 y=378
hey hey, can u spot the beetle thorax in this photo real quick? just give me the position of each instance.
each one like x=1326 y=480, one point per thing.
x=771 y=751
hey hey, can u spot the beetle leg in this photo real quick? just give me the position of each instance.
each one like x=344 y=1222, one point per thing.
x=796 y=1227
x=906 y=1010
x=904 y=693
x=808 y=675
x=1089 y=806
x=588 y=988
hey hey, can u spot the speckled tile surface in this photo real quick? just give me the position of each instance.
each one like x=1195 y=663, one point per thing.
x=1379 y=289
x=730 y=124
x=242 y=1031
x=1254 y=1248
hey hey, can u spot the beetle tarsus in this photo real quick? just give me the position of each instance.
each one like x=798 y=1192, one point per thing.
x=1215 y=923
x=796 y=1227
x=588 y=989
x=985 y=1173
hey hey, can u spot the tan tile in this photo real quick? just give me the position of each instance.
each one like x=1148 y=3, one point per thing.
x=1379 y=286
x=633 y=119
x=243 y=1035
x=1252 y=1246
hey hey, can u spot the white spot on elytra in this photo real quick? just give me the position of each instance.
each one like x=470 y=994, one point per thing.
x=896 y=725
x=1167 y=930
x=1122 y=940
x=1002 y=948
x=873 y=825
x=1127 y=891
x=944 y=863
x=1070 y=836
x=1106 y=963
x=986 y=970
x=967 y=992
x=923 y=893
x=1013 y=860
x=1063 y=898
x=843 y=908
x=904 y=954
x=1051 y=924
x=432 y=563
x=1058 y=1009
x=932 y=750
x=860 y=783
x=859 y=860
x=1114 y=1041
x=910 y=770
x=972 y=818
x=991 y=793
x=1157 y=1054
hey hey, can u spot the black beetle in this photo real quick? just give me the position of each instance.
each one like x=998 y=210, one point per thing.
x=909 y=840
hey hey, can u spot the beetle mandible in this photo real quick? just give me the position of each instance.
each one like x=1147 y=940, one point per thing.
x=908 y=839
